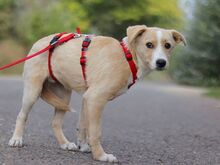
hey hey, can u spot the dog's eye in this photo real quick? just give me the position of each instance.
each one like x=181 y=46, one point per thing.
x=150 y=45
x=167 y=45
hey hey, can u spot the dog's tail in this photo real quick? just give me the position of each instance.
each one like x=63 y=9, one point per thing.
x=52 y=99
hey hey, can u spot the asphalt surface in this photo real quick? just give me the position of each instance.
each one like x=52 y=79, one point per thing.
x=152 y=124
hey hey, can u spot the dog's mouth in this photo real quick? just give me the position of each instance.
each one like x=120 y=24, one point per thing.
x=160 y=69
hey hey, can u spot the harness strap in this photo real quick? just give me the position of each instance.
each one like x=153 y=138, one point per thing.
x=85 y=45
x=78 y=31
x=55 y=42
x=49 y=65
x=56 y=37
x=131 y=63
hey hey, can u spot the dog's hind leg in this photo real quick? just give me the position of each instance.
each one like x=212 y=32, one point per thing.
x=57 y=122
x=32 y=89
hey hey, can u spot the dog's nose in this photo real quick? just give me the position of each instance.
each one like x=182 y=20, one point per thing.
x=161 y=63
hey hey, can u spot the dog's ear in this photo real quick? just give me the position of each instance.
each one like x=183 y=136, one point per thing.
x=134 y=31
x=178 y=37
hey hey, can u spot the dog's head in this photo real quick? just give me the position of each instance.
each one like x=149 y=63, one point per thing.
x=152 y=45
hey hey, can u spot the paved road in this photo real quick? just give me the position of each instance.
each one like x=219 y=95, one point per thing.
x=153 y=124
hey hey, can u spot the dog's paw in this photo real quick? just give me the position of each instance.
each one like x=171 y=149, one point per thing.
x=107 y=158
x=69 y=146
x=15 y=142
x=83 y=147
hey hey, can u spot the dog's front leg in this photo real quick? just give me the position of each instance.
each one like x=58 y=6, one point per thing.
x=94 y=103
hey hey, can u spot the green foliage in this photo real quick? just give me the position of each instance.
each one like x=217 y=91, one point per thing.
x=5 y=17
x=11 y=50
x=199 y=64
x=6 y=4
x=57 y=17
x=113 y=17
x=213 y=92
x=31 y=20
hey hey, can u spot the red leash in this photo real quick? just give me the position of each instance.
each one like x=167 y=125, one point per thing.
x=54 y=42
x=26 y=58
x=50 y=46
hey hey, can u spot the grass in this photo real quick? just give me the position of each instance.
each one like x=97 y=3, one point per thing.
x=11 y=50
x=213 y=92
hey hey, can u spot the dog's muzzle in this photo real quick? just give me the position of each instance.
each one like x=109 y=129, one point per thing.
x=160 y=64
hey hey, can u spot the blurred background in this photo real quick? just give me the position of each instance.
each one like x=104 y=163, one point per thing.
x=22 y=22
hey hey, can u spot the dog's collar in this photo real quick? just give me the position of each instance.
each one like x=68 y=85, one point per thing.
x=131 y=63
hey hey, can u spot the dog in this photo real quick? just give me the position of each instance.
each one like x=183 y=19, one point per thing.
x=108 y=76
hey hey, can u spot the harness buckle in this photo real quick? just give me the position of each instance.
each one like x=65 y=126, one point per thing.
x=77 y=35
x=54 y=40
x=86 y=42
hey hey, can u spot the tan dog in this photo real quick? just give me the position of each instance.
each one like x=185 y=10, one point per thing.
x=108 y=76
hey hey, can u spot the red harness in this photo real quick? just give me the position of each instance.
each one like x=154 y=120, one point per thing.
x=85 y=45
x=131 y=63
x=127 y=53
x=57 y=41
